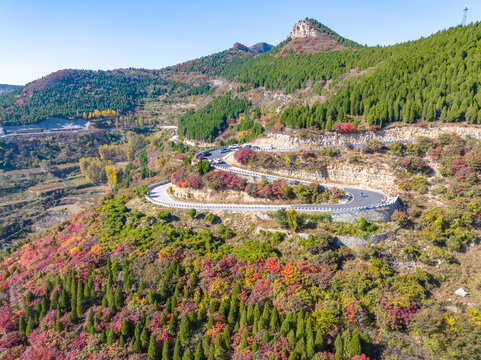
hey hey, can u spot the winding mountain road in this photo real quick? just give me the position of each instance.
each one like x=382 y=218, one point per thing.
x=360 y=199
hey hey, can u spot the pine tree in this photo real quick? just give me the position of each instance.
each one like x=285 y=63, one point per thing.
x=177 y=352
x=274 y=320
x=187 y=355
x=338 y=347
x=211 y=354
x=199 y=352
x=301 y=348
x=173 y=322
x=300 y=327
x=80 y=300
x=90 y=323
x=137 y=346
x=110 y=337
x=119 y=298
x=125 y=330
x=153 y=350
x=346 y=339
x=291 y=339
x=103 y=337
x=150 y=297
x=250 y=314
x=355 y=344
x=266 y=314
x=232 y=317
x=144 y=339
x=243 y=319
x=219 y=347
x=22 y=326
x=64 y=300
x=244 y=343
x=265 y=338
x=285 y=327
x=310 y=347
x=319 y=342
x=185 y=330
x=293 y=356
x=226 y=336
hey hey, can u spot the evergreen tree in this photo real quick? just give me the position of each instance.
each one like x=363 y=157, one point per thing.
x=250 y=314
x=300 y=327
x=125 y=330
x=173 y=322
x=310 y=347
x=187 y=355
x=285 y=327
x=90 y=323
x=274 y=320
x=355 y=344
x=300 y=348
x=177 y=352
x=80 y=300
x=338 y=347
x=219 y=347
x=144 y=339
x=346 y=339
x=22 y=326
x=103 y=337
x=319 y=342
x=232 y=317
x=265 y=338
x=244 y=343
x=110 y=336
x=226 y=336
x=185 y=330
x=119 y=298
x=243 y=318
x=199 y=352
x=153 y=350
x=291 y=339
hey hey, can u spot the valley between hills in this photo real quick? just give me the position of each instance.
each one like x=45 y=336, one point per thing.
x=315 y=199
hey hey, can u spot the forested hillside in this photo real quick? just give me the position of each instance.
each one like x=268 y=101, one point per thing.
x=429 y=79
x=70 y=93
x=206 y=123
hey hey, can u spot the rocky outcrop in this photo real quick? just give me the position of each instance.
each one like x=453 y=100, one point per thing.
x=304 y=28
x=390 y=134
x=241 y=47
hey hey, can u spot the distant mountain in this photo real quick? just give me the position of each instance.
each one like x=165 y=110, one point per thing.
x=260 y=47
x=5 y=88
x=69 y=93
x=404 y=82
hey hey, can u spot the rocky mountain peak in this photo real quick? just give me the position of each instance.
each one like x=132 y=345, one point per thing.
x=304 y=28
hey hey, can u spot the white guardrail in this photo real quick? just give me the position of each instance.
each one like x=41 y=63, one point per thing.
x=312 y=208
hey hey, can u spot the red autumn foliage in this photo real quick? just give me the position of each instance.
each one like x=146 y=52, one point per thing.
x=244 y=155
x=344 y=128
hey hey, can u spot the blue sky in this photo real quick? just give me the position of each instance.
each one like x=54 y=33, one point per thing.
x=38 y=37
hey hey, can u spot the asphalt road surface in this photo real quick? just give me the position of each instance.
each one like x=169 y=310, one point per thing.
x=360 y=199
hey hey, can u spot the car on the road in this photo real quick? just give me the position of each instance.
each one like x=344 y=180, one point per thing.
x=268 y=147
x=256 y=147
x=235 y=146
x=201 y=157
x=247 y=146
x=224 y=150
x=207 y=153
